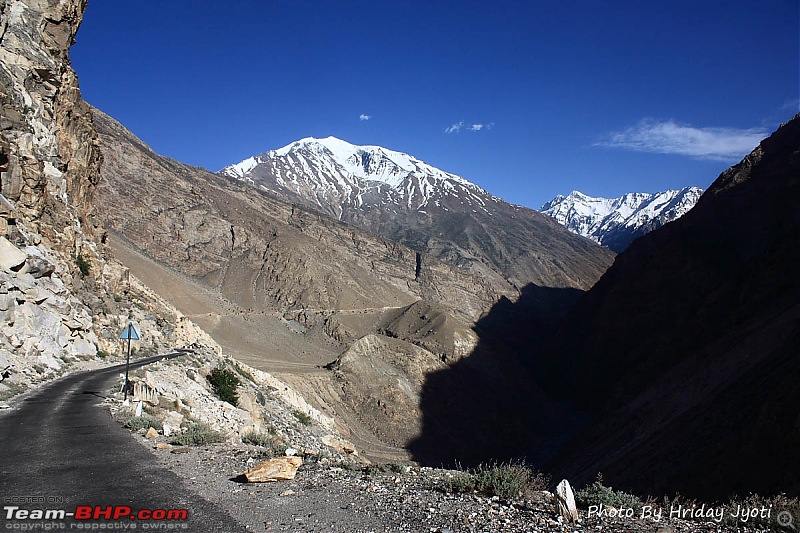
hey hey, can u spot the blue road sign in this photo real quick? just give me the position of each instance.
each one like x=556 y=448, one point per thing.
x=130 y=333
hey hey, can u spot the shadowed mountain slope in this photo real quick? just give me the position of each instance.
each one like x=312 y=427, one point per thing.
x=686 y=354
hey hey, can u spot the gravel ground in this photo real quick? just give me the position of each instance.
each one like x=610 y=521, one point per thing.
x=328 y=498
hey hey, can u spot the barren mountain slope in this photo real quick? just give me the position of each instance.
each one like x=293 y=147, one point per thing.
x=409 y=201
x=296 y=291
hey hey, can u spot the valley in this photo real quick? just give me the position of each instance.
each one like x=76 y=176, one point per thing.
x=360 y=333
x=390 y=327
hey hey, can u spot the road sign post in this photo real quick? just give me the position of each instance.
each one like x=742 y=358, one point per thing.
x=130 y=334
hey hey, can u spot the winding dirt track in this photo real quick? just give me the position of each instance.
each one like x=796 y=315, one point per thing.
x=266 y=341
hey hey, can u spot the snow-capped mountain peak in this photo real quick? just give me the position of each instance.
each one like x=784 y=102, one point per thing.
x=616 y=222
x=334 y=174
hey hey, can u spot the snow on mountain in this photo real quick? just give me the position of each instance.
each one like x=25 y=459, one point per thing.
x=335 y=175
x=616 y=222
x=438 y=214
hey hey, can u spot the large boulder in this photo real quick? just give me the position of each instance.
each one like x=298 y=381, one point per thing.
x=278 y=469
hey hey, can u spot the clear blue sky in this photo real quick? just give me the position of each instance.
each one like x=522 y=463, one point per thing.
x=526 y=98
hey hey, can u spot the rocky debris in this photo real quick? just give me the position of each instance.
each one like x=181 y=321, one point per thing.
x=566 y=502
x=43 y=325
x=5 y=364
x=278 y=469
x=151 y=434
x=186 y=396
x=340 y=497
x=395 y=371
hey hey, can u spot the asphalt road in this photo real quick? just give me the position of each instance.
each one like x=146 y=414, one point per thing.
x=60 y=449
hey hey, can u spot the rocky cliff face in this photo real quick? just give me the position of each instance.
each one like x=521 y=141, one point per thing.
x=49 y=167
x=684 y=355
x=49 y=157
x=63 y=300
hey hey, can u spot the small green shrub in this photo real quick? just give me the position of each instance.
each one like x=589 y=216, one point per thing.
x=505 y=480
x=459 y=482
x=10 y=389
x=129 y=420
x=274 y=446
x=197 y=433
x=224 y=382
x=83 y=265
x=344 y=465
x=380 y=468
x=597 y=494
x=302 y=417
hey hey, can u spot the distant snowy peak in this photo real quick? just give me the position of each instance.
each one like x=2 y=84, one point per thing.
x=335 y=175
x=616 y=222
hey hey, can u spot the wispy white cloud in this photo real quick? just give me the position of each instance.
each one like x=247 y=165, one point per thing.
x=364 y=117
x=461 y=125
x=669 y=137
x=455 y=128
x=479 y=127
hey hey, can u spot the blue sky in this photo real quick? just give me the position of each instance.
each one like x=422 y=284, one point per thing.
x=528 y=99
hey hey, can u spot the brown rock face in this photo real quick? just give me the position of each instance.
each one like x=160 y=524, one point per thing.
x=685 y=353
x=49 y=156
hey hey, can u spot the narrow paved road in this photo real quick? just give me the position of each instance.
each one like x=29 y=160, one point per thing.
x=60 y=449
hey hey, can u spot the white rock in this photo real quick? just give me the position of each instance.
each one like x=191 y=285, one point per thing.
x=10 y=256
x=37 y=264
x=139 y=408
x=174 y=419
x=24 y=281
x=167 y=430
x=8 y=305
x=82 y=347
x=566 y=502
